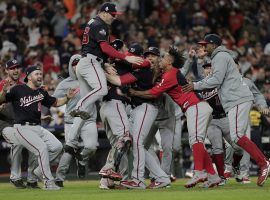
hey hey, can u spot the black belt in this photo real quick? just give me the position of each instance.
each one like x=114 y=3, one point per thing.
x=97 y=58
x=219 y=116
x=29 y=124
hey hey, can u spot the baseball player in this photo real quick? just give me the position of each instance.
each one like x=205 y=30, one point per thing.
x=13 y=70
x=242 y=171
x=27 y=100
x=89 y=71
x=235 y=97
x=197 y=112
x=218 y=128
x=143 y=114
x=114 y=117
x=89 y=142
x=165 y=121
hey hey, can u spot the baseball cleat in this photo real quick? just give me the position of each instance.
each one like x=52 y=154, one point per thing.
x=106 y=184
x=212 y=181
x=33 y=185
x=59 y=183
x=246 y=180
x=79 y=113
x=263 y=174
x=50 y=185
x=18 y=184
x=81 y=170
x=109 y=173
x=157 y=185
x=133 y=185
x=172 y=178
x=198 y=177
x=227 y=174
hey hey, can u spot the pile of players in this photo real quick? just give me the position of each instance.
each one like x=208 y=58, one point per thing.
x=141 y=93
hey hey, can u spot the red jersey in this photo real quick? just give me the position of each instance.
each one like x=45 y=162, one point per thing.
x=170 y=84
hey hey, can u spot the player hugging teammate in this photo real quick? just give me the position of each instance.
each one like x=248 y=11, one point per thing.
x=141 y=93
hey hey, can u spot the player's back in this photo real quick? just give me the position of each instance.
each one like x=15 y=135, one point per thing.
x=95 y=32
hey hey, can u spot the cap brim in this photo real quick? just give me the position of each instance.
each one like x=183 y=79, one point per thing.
x=14 y=66
x=116 y=13
x=203 y=42
x=150 y=52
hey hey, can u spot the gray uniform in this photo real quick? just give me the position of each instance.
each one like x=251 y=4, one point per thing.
x=90 y=74
x=234 y=95
x=236 y=99
x=6 y=122
x=116 y=123
x=141 y=117
x=165 y=123
x=245 y=161
x=89 y=140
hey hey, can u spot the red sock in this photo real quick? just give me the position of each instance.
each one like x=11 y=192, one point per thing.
x=198 y=155
x=208 y=165
x=236 y=160
x=253 y=150
x=218 y=159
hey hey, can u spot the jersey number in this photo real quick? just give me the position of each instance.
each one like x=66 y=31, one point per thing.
x=85 y=39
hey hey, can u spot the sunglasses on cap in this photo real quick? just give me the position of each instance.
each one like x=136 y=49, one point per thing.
x=75 y=62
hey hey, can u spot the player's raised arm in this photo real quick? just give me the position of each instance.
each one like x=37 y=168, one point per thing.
x=3 y=92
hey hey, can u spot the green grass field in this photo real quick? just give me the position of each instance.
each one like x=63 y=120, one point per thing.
x=89 y=190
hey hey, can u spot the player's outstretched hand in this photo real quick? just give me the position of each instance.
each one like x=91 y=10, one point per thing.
x=134 y=60
x=6 y=85
x=191 y=53
x=47 y=118
x=71 y=93
x=265 y=111
x=110 y=69
x=188 y=87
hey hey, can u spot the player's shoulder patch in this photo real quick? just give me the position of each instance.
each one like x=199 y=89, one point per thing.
x=102 y=32
x=91 y=21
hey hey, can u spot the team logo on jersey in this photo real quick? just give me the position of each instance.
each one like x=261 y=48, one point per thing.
x=209 y=94
x=27 y=101
x=186 y=104
x=161 y=83
x=132 y=50
x=102 y=32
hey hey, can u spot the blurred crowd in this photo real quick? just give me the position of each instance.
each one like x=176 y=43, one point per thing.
x=47 y=33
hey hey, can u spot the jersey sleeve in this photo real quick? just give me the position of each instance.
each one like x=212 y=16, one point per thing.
x=100 y=33
x=165 y=84
x=48 y=100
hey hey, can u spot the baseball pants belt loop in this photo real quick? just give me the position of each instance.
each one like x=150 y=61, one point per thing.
x=29 y=124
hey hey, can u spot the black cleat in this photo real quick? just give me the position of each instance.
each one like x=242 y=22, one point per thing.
x=81 y=170
x=79 y=113
x=32 y=185
x=59 y=183
x=18 y=184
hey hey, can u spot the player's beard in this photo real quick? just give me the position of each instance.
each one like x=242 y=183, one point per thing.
x=38 y=83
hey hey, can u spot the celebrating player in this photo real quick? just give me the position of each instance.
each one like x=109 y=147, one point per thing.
x=235 y=97
x=27 y=100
